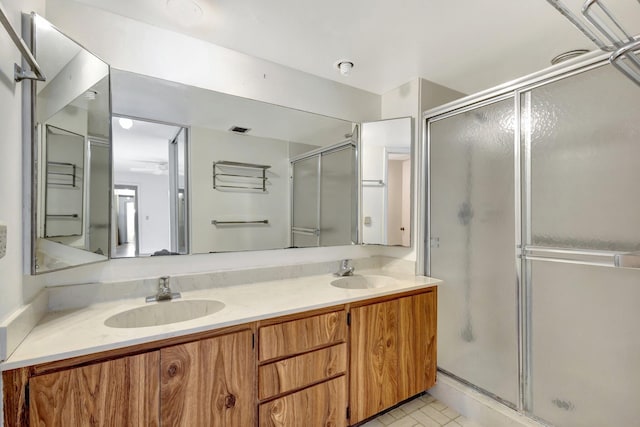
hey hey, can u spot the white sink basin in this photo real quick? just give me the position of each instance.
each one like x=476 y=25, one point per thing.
x=368 y=281
x=163 y=313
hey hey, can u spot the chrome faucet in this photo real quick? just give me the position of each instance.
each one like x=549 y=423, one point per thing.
x=164 y=291
x=345 y=269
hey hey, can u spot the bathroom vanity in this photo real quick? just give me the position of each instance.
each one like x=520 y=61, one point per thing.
x=324 y=354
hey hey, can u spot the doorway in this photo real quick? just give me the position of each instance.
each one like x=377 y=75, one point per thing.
x=126 y=209
x=398 y=197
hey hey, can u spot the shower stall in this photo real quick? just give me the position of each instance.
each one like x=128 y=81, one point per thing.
x=324 y=196
x=533 y=223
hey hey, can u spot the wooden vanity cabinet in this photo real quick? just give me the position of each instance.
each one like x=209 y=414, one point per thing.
x=117 y=392
x=392 y=352
x=335 y=367
x=207 y=382
x=302 y=371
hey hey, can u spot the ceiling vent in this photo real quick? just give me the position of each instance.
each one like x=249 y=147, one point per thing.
x=239 y=129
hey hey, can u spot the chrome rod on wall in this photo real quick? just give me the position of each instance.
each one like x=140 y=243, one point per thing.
x=261 y=221
x=613 y=37
x=19 y=73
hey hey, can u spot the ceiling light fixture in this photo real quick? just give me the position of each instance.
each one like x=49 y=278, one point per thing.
x=125 y=123
x=345 y=67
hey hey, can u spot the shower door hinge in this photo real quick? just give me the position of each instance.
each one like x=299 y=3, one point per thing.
x=434 y=242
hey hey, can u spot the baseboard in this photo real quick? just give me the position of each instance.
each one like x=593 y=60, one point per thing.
x=476 y=406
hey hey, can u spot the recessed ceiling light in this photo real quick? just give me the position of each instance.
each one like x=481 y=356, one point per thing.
x=345 y=67
x=125 y=123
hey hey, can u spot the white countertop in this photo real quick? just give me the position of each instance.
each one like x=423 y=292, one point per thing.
x=77 y=332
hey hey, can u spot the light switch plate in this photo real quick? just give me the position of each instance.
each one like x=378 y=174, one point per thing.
x=3 y=239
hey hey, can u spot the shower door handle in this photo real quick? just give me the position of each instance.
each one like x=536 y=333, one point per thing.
x=628 y=260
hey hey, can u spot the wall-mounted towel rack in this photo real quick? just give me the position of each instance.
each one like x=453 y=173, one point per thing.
x=261 y=221
x=373 y=183
x=19 y=73
x=240 y=175
x=70 y=216
x=63 y=174
x=608 y=34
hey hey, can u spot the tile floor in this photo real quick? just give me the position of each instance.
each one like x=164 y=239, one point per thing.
x=423 y=411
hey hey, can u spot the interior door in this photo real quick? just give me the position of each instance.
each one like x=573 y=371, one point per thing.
x=583 y=136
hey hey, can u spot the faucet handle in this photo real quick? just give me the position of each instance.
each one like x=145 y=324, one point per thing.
x=163 y=281
x=345 y=262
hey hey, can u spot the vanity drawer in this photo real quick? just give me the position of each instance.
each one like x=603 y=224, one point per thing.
x=300 y=371
x=302 y=335
x=324 y=404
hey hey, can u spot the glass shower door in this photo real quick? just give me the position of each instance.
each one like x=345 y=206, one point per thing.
x=583 y=136
x=472 y=247
x=305 y=229
x=338 y=197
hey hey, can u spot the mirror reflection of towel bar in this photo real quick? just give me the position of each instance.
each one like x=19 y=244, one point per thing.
x=373 y=182
x=62 y=216
x=216 y=222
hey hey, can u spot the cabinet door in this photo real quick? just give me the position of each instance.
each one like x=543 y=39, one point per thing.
x=416 y=344
x=373 y=359
x=118 y=392
x=209 y=382
x=323 y=405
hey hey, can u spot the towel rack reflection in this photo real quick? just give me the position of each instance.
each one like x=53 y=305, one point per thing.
x=261 y=221
x=373 y=183
x=20 y=74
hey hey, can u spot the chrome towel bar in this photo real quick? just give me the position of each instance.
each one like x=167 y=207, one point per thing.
x=19 y=73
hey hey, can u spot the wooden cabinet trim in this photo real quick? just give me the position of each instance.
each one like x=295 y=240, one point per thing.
x=89 y=359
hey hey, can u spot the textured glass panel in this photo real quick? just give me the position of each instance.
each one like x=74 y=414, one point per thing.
x=585 y=134
x=337 y=198
x=305 y=200
x=473 y=218
x=586 y=346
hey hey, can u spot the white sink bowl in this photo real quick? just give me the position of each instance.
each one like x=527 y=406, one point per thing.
x=368 y=281
x=164 y=313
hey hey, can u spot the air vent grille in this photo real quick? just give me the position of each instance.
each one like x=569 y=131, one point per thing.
x=239 y=129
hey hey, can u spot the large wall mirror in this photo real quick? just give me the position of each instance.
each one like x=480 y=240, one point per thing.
x=238 y=173
x=386 y=182
x=126 y=165
x=70 y=152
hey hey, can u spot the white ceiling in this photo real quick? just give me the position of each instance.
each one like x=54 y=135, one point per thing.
x=463 y=44
x=141 y=96
x=144 y=148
